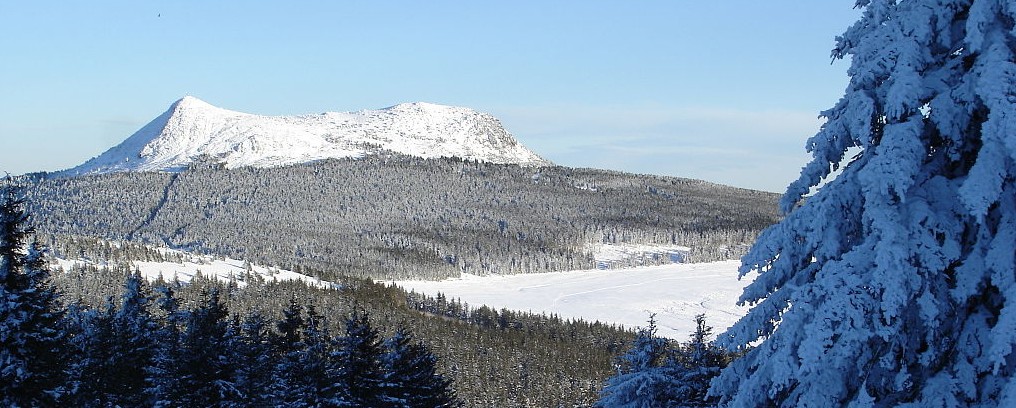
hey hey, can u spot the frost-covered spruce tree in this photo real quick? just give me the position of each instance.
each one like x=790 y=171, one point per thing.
x=164 y=374
x=643 y=379
x=134 y=349
x=895 y=282
x=203 y=369
x=693 y=365
x=311 y=383
x=356 y=367
x=254 y=351
x=33 y=341
x=410 y=376
x=114 y=362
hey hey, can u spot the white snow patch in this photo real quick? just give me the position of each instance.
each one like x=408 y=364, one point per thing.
x=224 y=270
x=675 y=293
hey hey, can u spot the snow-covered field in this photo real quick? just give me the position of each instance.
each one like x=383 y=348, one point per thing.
x=675 y=292
x=222 y=269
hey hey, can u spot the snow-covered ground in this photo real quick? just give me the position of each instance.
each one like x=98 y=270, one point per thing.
x=674 y=292
x=222 y=269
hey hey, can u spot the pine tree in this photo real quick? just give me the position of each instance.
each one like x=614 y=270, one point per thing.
x=116 y=351
x=288 y=380
x=204 y=368
x=313 y=382
x=357 y=365
x=286 y=339
x=78 y=329
x=256 y=362
x=165 y=381
x=93 y=347
x=133 y=357
x=411 y=379
x=642 y=380
x=895 y=283
x=693 y=365
x=33 y=342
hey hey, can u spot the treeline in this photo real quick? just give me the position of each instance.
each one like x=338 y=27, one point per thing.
x=606 y=336
x=103 y=251
x=396 y=217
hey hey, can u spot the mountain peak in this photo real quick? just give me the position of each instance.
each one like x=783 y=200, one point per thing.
x=191 y=102
x=192 y=128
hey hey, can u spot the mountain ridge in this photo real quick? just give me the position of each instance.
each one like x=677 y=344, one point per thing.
x=192 y=128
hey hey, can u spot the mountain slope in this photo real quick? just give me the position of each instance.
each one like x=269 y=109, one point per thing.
x=401 y=217
x=192 y=128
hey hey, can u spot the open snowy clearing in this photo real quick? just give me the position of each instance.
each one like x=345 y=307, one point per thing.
x=223 y=269
x=675 y=293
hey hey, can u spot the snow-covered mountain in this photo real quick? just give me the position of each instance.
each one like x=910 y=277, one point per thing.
x=192 y=128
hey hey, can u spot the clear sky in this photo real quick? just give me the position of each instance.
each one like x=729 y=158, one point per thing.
x=726 y=91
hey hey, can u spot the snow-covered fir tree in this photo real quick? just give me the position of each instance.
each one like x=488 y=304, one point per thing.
x=167 y=337
x=693 y=365
x=643 y=379
x=33 y=342
x=254 y=374
x=289 y=376
x=204 y=370
x=894 y=283
x=357 y=372
x=116 y=351
x=135 y=357
x=93 y=348
x=410 y=378
x=657 y=372
x=311 y=381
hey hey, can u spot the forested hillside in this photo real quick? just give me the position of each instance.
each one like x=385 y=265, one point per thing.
x=402 y=217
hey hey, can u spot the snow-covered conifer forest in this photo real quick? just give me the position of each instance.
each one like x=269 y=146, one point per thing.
x=882 y=278
x=397 y=217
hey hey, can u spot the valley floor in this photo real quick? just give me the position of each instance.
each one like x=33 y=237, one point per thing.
x=674 y=292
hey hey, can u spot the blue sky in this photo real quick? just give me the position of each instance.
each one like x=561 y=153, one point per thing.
x=725 y=91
